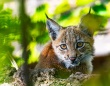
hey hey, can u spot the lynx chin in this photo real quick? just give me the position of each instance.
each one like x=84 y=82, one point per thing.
x=70 y=49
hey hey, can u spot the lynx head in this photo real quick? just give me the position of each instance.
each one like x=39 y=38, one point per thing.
x=72 y=45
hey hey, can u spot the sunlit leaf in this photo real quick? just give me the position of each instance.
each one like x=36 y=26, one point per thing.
x=3 y=1
x=34 y=53
x=100 y=9
x=40 y=13
x=1 y=6
x=65 y=15
x=83 y=2
x=108 y=9
x=69 y=18
x=42 y=38
x=63 y=7
x=9 y=31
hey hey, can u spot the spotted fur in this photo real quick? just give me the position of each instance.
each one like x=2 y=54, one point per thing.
x=71 y=49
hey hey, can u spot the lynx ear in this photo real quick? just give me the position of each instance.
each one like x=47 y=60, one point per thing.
x=86 y=30
x=89 y=23
x=53 y=28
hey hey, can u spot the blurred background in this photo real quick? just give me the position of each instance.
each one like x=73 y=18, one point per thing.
x=13 y=36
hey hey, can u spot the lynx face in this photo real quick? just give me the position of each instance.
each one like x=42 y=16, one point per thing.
x=71 y=44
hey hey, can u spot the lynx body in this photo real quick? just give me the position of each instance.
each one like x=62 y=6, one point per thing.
x=70 y=49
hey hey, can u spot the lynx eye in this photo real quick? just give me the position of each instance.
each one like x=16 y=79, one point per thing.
x=63 y=46
x=80 y=44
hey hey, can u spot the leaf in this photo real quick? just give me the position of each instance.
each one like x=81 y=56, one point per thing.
x=40 y=13
x=4 y=1
x=63 y=7
x=100 y=9
x=65 y=15
x=1 y=7
x=83 y=2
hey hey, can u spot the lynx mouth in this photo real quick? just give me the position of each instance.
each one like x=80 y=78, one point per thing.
x=71 y=62
x=72 y=58
x=75 y=62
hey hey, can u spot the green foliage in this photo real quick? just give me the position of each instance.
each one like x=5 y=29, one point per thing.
x=64 y=14
x=1 y=6
x=39 y=29
x=40 y=13
x=100 y=9
x=63 y=7
x=9 y=31
x=83 y=2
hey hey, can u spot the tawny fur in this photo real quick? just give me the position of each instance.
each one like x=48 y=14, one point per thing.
x=48 y=59
x=53 y=55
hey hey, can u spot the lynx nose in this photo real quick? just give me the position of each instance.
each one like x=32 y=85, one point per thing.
x=72 y=58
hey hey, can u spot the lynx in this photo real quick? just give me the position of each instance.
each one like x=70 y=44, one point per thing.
x=70 y=49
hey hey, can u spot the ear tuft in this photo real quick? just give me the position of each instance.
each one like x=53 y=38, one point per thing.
x=90 y=10
x=46 y=16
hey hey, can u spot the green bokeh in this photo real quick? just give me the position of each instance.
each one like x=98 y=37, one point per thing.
x=64 y=14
